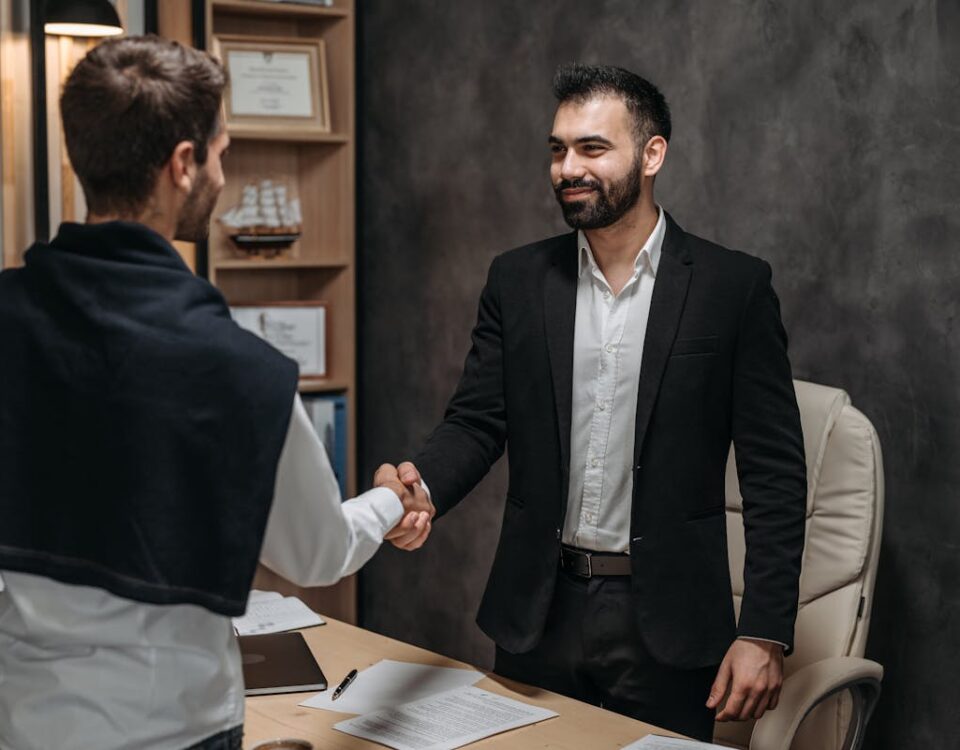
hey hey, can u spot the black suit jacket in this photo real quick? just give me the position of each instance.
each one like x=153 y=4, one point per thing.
x=714 y=368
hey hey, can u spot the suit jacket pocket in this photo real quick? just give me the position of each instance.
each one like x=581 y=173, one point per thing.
x=515 y=501
x=690 y=346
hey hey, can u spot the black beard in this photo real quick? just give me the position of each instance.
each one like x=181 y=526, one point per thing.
x=609 y=205
x=193 y=224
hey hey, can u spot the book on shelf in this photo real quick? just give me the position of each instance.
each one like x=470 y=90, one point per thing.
x=328 y=412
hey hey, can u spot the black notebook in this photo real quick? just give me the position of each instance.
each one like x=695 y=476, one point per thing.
x=279 y=663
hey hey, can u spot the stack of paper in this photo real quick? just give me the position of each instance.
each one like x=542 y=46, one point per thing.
x=444 y=721
x=655 y=742
x=388 y=684
x=270 y=612
x=420 y=707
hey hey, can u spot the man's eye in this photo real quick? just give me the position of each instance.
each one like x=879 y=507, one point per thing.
x=556 y=149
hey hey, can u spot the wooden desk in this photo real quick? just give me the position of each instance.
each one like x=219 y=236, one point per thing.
x=340 y=647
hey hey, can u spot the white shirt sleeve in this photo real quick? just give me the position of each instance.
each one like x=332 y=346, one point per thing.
x=313 y=539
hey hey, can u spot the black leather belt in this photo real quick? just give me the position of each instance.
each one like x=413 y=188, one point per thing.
x=588 y=564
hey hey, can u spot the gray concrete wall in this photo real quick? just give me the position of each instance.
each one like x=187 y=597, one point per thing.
x=821 y=136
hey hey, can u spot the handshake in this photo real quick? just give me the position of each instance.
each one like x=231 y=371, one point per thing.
x=414 y=527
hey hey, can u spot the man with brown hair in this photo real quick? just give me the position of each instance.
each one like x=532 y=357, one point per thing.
x=152 y=451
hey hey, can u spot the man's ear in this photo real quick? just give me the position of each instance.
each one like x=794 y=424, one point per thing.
x=182 y=166
x=654 y=154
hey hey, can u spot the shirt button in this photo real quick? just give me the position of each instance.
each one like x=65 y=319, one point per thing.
x=606 y=294
x=611 y=348
x=594 y=462
x=602 y=406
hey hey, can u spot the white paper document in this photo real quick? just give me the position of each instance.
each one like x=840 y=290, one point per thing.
x=269 y=612
x=654 y=742
x=388 y=684
x=444 y=721
x=257 y=596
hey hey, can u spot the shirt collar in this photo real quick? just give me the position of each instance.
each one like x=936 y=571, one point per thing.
x=650 y=250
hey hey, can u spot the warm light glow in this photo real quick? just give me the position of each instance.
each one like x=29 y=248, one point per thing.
x=81 y=29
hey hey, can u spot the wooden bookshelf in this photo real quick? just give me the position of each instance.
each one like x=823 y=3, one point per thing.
x=320 y=168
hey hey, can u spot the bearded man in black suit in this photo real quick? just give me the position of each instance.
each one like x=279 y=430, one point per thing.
x=616 y=364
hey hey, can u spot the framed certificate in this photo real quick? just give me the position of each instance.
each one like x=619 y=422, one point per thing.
x=275 y=81
x=297 y=329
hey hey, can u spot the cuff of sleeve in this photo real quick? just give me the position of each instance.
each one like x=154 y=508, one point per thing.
x=384 y=503
x=763 y=640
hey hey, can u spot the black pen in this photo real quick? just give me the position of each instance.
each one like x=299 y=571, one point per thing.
x=345 y=684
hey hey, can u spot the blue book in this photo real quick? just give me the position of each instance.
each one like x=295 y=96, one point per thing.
x=328 y=412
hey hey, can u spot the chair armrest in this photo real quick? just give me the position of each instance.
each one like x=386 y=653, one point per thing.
x=812 y=684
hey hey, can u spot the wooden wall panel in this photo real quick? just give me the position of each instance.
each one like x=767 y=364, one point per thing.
x=15 y=135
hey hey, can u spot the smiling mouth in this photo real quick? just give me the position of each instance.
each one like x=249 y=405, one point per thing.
x=575 y=193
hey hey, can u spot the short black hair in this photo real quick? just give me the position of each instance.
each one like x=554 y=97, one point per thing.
x=577 y=82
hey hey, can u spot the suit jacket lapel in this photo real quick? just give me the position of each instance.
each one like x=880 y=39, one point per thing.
x=560 y=312
x=666 y=308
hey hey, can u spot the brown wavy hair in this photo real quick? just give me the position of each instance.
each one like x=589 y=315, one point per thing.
x=126 y=106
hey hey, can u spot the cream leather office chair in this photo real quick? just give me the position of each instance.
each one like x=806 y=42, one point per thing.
x=829 y=687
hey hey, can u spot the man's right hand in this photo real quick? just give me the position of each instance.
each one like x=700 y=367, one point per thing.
x=415 y=526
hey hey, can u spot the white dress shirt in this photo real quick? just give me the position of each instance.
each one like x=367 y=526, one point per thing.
x=607 y=351
x=82 y=669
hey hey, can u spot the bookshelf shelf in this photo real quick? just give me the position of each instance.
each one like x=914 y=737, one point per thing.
x=280 y=10
x=286 y=135
x=279 y=264
x=323 y=385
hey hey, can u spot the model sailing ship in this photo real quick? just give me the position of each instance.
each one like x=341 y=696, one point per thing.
x=266 y=221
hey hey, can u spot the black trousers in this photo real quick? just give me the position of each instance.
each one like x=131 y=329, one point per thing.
x=232 y=739
x=592 y=650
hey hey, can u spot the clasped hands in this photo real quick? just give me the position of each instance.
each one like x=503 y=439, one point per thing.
x=415 y=526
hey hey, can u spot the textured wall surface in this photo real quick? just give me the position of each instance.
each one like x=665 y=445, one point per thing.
x=821 y=136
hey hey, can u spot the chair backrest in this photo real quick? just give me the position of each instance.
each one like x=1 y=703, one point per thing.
x=844 y=519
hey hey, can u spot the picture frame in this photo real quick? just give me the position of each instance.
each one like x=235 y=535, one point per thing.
x=297 y=329
x=275 y=82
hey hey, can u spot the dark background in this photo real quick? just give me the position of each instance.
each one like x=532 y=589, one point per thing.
x=821 y=136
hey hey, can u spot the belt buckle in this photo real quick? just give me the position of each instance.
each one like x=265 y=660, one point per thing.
x=573 y=555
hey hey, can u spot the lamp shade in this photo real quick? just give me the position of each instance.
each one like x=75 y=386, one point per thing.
x=82 y=18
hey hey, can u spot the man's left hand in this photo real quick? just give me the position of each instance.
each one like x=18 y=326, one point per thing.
x=750 y=677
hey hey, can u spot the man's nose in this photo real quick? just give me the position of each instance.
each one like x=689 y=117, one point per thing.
x=572 y=167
